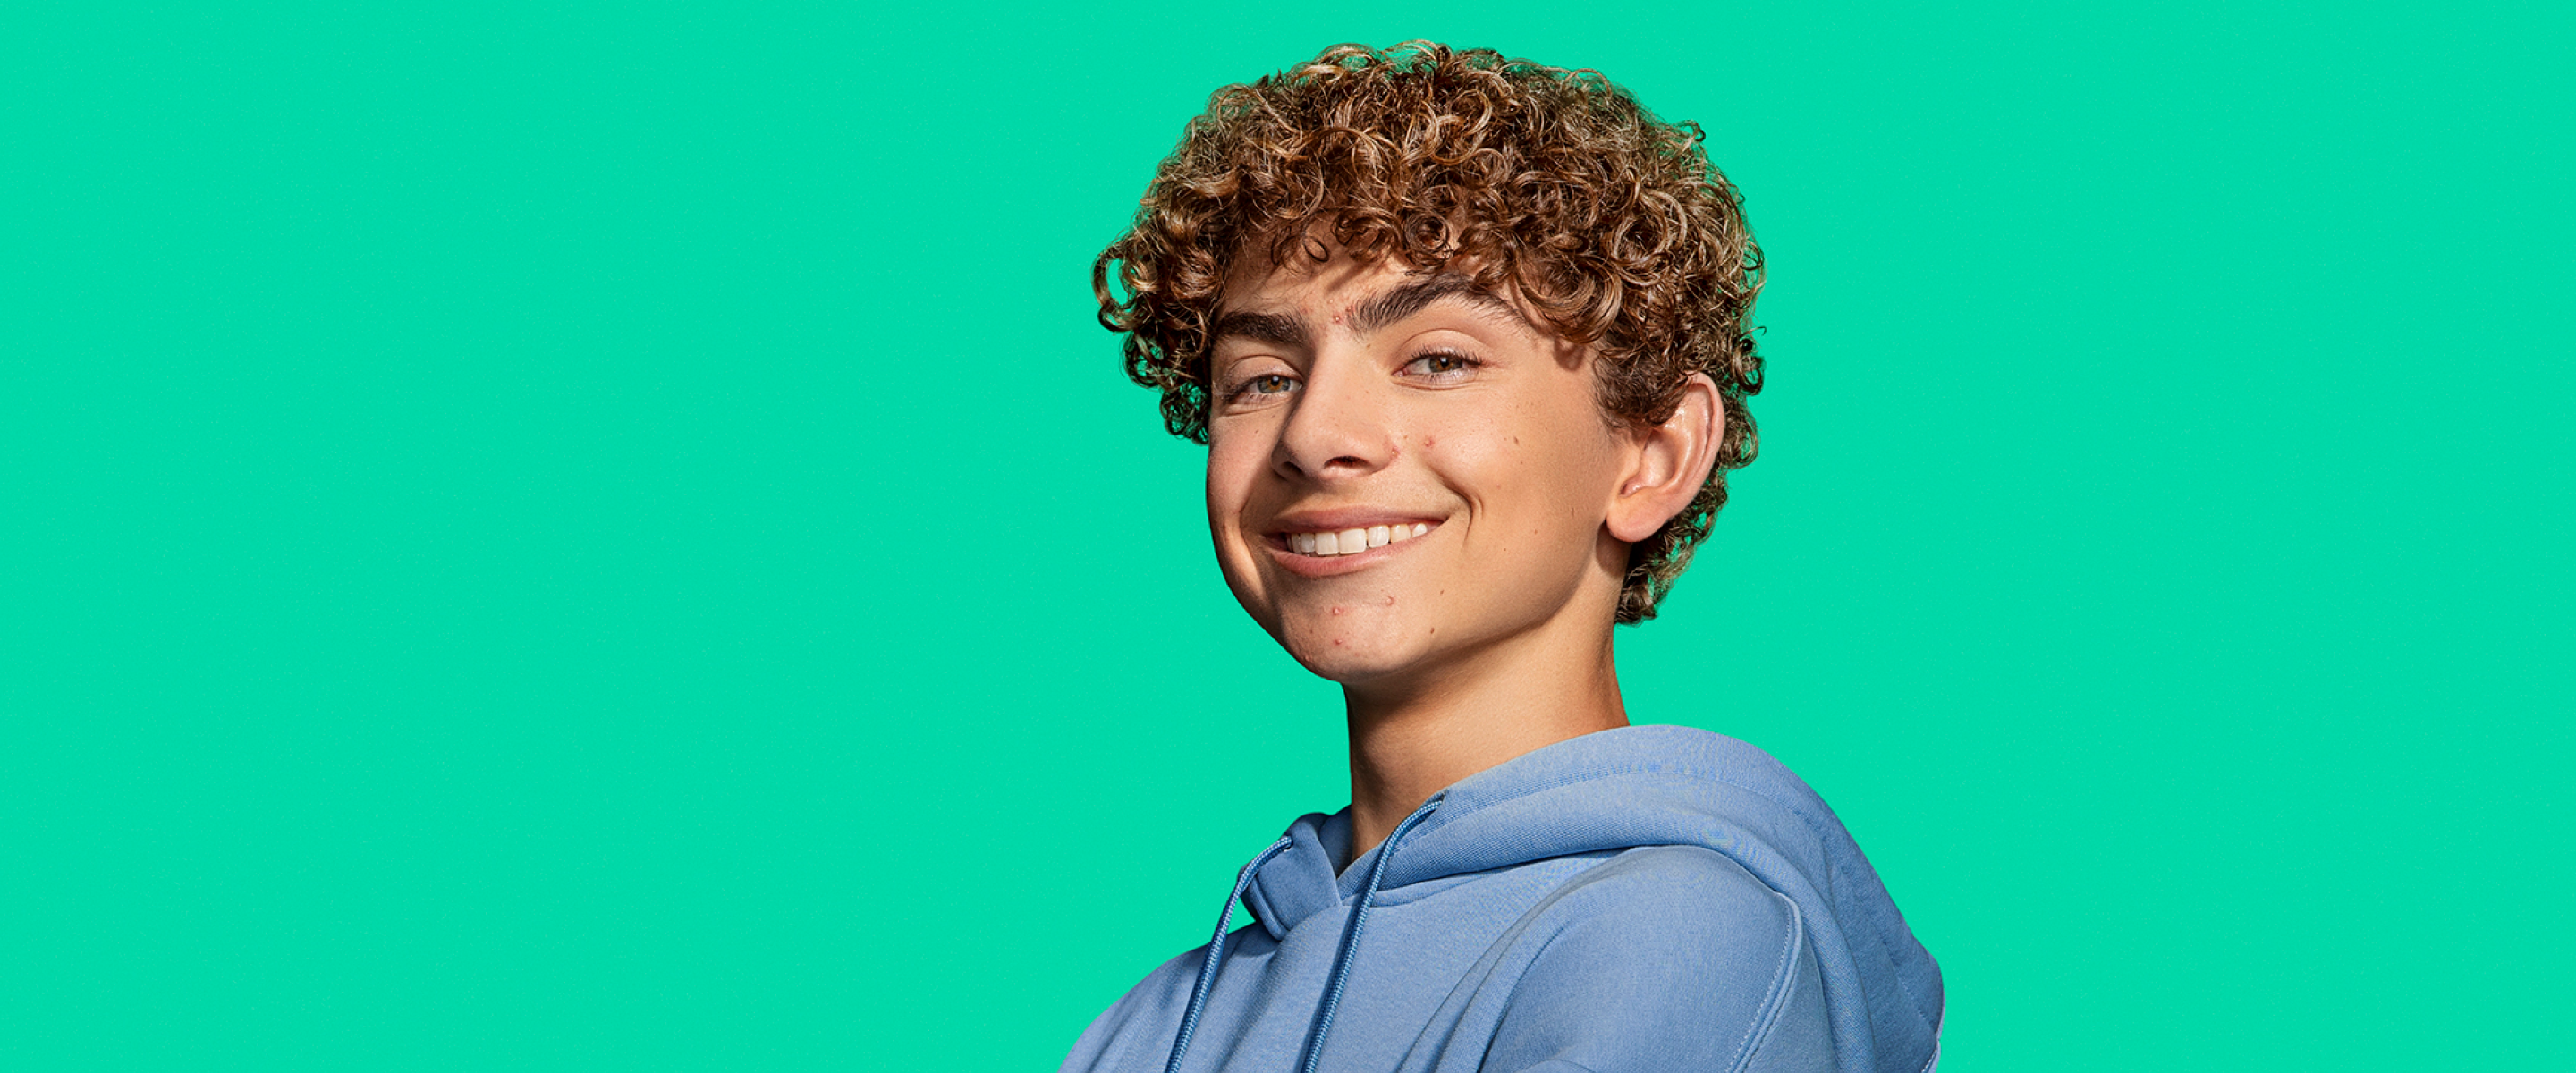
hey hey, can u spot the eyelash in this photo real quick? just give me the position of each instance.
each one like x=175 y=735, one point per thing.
x=1466 y=366
x=1244 y=387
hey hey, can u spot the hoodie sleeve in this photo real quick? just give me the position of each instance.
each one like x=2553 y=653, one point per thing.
x=1667 y=958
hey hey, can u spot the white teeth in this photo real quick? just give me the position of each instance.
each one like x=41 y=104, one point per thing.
x=1353 y=541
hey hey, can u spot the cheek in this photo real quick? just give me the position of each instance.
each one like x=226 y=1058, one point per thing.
x=1535 y=477
x=1233 y=465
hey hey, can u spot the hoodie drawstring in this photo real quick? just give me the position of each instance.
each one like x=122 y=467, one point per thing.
x=1341 y=958
x=1216 y=953
x=1351 y=938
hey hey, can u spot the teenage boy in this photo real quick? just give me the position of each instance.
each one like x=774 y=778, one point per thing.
x=1466 y=340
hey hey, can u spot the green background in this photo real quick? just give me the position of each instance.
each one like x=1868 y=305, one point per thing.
x=606 y=536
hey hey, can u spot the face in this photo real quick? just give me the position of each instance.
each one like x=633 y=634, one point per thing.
x=1403 y=470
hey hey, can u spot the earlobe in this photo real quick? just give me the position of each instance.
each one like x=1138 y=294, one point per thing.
x=1671 y=462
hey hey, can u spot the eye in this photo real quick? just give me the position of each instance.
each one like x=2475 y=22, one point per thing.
x=1442 y=366
x=1260 y=390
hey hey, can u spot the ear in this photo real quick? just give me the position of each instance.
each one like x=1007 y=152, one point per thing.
x=1667 y=463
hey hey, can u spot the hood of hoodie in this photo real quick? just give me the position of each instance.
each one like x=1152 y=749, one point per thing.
x=1649 y=786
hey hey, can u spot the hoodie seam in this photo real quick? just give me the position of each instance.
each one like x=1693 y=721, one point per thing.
x=1913 y=1001
x=1512 y=994
x=1784 y=980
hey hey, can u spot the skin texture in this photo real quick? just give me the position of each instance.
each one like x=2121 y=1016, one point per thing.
x=1346 y=391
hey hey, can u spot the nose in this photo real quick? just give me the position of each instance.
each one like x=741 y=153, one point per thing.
x=1337 y=425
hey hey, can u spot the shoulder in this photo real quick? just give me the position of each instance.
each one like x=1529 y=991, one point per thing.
x=1675 y=896
x=1124 y=1034
x=1663 y=957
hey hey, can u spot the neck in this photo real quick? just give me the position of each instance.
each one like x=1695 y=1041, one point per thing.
x=1413 y=738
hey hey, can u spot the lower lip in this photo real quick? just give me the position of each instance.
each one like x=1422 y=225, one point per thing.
x=1335 y=565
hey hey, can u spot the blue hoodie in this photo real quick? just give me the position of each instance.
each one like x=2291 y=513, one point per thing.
x=1645 y=898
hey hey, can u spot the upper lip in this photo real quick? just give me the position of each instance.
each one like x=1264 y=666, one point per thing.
x=1341 y=518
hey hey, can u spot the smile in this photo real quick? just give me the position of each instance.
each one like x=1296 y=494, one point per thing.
x=1353 y=541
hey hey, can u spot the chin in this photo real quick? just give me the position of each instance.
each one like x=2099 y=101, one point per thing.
x=1350 y=656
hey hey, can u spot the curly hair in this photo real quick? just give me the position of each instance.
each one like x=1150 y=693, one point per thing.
x=1609 y=222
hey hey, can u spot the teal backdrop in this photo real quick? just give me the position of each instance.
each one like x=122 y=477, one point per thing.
x=605 y=536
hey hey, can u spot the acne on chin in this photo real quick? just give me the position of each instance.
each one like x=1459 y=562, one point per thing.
x=1347 y=655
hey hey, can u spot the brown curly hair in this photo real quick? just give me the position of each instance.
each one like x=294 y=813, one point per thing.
x=1610 y=223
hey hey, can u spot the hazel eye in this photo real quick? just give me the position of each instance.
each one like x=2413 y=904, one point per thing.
x=1442 y=366
x=1261 y=390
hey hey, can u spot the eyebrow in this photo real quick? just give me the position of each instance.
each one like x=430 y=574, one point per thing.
x=1411 y=298
x=1391 y=307
x=1277 y=329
